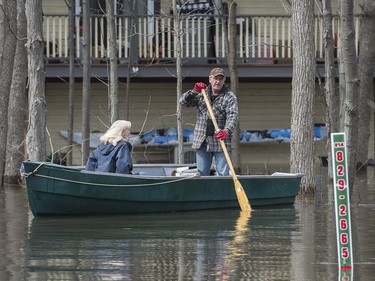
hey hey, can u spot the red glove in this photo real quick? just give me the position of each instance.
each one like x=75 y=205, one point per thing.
x=222 y=134
x=199 y=86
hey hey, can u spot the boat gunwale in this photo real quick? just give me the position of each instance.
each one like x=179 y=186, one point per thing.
x=80 y=169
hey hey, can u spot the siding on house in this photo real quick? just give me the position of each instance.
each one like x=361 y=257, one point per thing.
x=262 y=106
x=245 y=7
x=55 y=7
x=262 y=7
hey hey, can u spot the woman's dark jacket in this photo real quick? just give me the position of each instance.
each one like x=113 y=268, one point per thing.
x=112 y=159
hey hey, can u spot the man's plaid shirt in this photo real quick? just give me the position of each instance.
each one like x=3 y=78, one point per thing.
x=225 y=108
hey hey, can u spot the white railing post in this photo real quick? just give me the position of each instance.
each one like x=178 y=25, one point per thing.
x=78 y=37
x=66 y=40
x=247 y=37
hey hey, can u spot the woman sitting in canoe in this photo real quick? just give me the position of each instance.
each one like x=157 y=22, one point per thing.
x=113 y=155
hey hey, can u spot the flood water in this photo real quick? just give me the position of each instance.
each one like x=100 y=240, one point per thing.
x=291 y=243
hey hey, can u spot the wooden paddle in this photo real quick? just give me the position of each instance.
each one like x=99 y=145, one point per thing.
x=240 y=192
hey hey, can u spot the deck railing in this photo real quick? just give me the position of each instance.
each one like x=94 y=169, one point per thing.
x=150 y=39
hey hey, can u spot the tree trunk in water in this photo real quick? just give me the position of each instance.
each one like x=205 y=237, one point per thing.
x=17 y=103
x=331 y=96
x=69 y=155
x=8 y=30
x=342 y=83
x=366 y=72
x=177 y=38
x=234 y=84
x=112 y=54
x=86 y=91
x=303 y=91
x=36 y=134
x=352 y=86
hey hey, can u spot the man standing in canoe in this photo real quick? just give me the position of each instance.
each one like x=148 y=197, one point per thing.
x=225 y=107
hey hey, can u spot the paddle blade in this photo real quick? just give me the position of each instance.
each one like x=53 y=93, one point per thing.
x=241 y=196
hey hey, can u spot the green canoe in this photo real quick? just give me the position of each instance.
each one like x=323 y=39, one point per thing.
x=60 y=190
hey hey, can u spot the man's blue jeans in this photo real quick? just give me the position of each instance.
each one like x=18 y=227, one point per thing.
x=204 y=162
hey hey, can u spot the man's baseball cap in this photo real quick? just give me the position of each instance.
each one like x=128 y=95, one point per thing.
x=217 y=72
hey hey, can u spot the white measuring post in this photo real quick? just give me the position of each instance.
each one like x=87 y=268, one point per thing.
x=342 y=206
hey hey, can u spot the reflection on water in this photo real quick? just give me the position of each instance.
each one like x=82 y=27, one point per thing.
x=14 y=215
x=194 y=245
x=292 y=243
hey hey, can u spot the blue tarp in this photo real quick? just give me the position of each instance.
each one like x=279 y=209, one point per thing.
x=169 y=136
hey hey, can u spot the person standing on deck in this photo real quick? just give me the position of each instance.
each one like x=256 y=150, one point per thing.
x=113 y=155
x=225 y=107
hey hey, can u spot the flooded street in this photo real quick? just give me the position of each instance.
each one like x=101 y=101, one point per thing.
x=290 y=243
